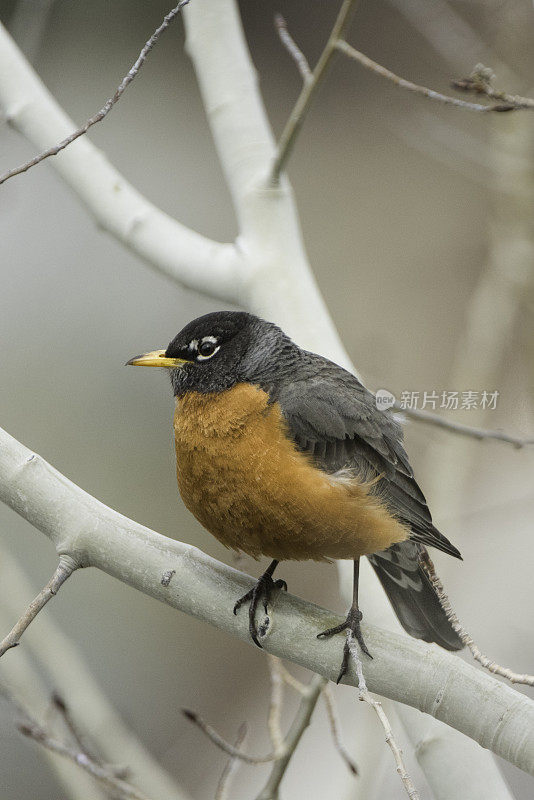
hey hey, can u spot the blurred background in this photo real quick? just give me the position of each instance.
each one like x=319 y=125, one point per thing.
x=418 y=220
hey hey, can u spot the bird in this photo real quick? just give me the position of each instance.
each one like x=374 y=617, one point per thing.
x=285 y=454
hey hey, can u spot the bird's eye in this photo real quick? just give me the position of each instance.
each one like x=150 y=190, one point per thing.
x=207 y=348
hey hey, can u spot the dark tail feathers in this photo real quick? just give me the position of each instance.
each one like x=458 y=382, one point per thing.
x=412 y=596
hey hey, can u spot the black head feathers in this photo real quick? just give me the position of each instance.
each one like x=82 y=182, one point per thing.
x=224 y=348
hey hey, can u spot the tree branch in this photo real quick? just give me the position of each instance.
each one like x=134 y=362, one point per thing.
x=292 y=48
x=277 y=283
x=402 y=83
x=466 y=638
x=335 y=728
x=302 y=106
x=365 y=696
x=464 y=430
x=49 y=657
x=330 y=705
x=274 y=719
x=284 y=747
x=64 y=570
x=453 y=765
x=105 y=776
x=169 y=247
x=79 y=738
x=230 y=749
x=108 y=105
x=403 y=669
x=291 y=741
x=480 y=81
x=222 y=791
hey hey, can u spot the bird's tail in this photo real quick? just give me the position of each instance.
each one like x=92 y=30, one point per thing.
x=412 y=595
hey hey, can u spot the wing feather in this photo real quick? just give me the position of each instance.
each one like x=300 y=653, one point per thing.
x=332 y=416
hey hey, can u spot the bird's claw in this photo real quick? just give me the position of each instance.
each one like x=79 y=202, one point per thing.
x=260 y=592
x=352 y=624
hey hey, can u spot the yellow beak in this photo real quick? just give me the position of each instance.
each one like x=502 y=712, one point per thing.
x=156 y=358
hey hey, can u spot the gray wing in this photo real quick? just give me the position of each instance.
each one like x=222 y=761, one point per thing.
x=332 y=416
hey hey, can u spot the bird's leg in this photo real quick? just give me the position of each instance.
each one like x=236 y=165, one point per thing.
x=262 y=590
x=352 y=623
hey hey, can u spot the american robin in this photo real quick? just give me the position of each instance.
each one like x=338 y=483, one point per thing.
x=283 y=453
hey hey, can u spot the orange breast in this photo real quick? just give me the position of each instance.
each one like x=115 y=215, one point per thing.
x=242 y=477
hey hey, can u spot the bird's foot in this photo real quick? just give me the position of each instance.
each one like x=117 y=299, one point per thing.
x=352 y=624
x=260 y=592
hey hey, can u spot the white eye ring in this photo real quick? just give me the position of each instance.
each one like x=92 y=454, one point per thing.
x=205 y=358
x=207 y=340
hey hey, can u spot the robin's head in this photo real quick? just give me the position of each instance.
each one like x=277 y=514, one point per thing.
x=214 y=352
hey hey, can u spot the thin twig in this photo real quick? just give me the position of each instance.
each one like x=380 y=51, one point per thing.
x=78 y=737
x=38 y=734
x=292 y=48
x=222 y=744
x=291 y=681
x=301 y=107
x=335 y=727
x=366 y=697
x=283 y=755
x=82 y=741
x=222 y=791
x=463 y=430
x=275 y=704
x=299 y=725
x=480 y=81
x=487 y=663
x=368 y=63
x=64 y=570
x=108 y=105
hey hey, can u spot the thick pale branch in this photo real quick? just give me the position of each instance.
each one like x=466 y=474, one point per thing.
x=64 y=570
x=169 y=247
x=455 y=767
x=229 y=88
x=278 y=283
x=403 y=669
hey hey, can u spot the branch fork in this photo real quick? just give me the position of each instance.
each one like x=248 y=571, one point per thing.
x=63 y=571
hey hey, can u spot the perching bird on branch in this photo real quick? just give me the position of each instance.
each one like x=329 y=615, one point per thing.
x=282 y=453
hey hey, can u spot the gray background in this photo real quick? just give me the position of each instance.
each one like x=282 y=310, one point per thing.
x=397 y=227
